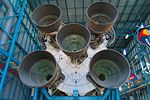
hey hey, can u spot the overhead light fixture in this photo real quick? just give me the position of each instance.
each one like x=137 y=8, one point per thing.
x=124 y=52
x=127 y=36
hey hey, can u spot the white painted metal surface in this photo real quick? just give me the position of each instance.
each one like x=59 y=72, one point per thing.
x=75 y=75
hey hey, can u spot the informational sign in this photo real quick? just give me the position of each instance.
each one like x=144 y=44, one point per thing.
x=132 y=78
x=143 y=35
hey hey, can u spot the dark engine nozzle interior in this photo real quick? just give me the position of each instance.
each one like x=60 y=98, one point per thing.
x=73 y=39
x=39 y=69
x=47 y=18
x=109 y=69
x=101 y=17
